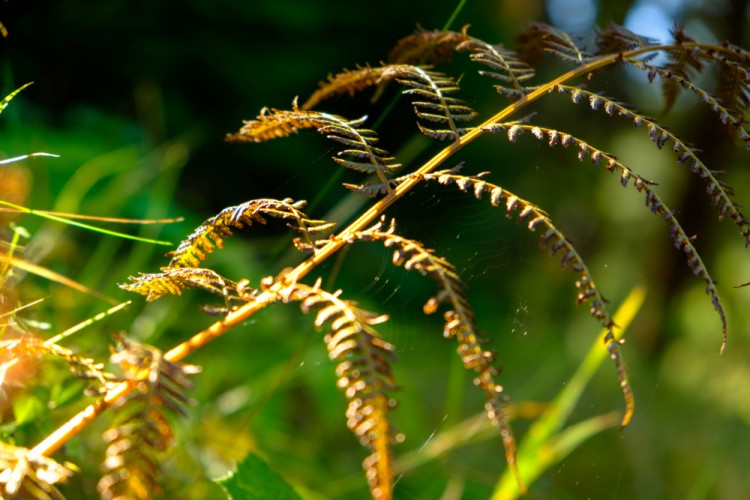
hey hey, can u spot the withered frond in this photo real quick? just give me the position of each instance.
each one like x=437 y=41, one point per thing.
x=685 y=62
x=364 y=155
x=505 y=64
x=539 y=38
x=363 y=372
x=431 y=91
x=374 y=189
x=347 y=82
x=459 y=323
x=681 y=240
x=24 y=475
x=734 y=78
x=132 y=461
x=426 y=46
x=175 y=280
x=687 y=58
x=551 y=237
x=730 y=118
x=212 y=232
x=29 y=347
x=721 y=194
x=615 y=38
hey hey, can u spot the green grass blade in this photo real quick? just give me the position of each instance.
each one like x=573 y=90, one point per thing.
x=543 y=446
x=10 y=96
x=24 y=157
x=109 y=232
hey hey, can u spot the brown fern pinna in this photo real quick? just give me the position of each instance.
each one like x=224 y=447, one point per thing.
x=364 y=359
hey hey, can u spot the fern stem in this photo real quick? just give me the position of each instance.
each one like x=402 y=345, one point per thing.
x=65 y=432
x=454 y=15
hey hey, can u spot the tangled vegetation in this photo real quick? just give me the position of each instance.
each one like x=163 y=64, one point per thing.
x=153 y=382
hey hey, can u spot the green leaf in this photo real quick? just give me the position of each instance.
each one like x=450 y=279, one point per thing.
x=255 y=479
x=27 y=407
x=68 y=391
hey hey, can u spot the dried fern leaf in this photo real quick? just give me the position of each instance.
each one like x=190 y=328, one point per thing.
x=431 y=92
x=143 y=431
x=30 y=347
x=425 y=46
x=539 y=38
x=685 y=62
x=373 y=190
x=459 y=323
x=734 y=79
x=721 y=194
x=347 y=82
x=615 y=38
x=680 y=238
x=278 y=123
x=28 y=476
x=212 y=232
x=534 y=217
x=175 y=280
x=505 y=64
x=728 y=117
x=363 y=372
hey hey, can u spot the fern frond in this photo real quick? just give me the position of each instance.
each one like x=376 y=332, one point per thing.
x=506 y=66
x=212 y=232
x=30 y=476
x=727 y=117
x=432 y=102
x=427 y=46
x=720 y=193
x=535 y=217
x=175 y=280
x=419 y=48
x=278 y=123
x=374 y=189
x=143 y=430
x=680 y=238
x=734 y=78
x=459 y=322
x=615 y=38
x=684 y=63
x=30 y=347
x=539 y=38
x=346 y=82
x=363 y=372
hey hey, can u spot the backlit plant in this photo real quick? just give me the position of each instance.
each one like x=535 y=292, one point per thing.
x=154 y=381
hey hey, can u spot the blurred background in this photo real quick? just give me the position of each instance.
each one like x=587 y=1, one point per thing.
x=136 y=98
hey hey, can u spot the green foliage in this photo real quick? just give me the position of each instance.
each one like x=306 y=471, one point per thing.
x=254 y=479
